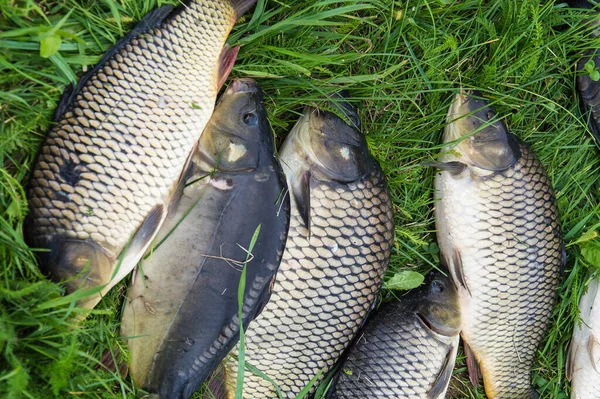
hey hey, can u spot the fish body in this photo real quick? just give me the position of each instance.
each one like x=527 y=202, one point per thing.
x=337 y=252
x=181 y=314
x=407 y=348
x=111 y=165
x=498 y=230
x=583 y=363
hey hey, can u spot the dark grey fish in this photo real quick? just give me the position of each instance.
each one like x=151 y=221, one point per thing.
x=499 y=233
x=181 y=315
x=407 y=348
x=112 y=163
x=338 y=249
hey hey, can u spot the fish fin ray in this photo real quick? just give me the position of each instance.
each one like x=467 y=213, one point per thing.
x=457 y=269
x=188 y=171
x=217 y=384
x=570 y=364
x=301 y=192
x=226 y=63
x=453 y=167
x=472 y=365
x=145 y=233
x=593 y=350
x=151 y=20
x=443 y=379
x=241 y=6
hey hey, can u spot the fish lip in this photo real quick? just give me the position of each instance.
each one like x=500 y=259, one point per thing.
x=447 y=332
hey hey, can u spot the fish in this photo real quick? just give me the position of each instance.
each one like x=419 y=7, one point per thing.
x=583 y=361
x=407 y=348
x=181 y=313
x=337 y=252
x=113 y=163
x=589 y=89
x=498 y=230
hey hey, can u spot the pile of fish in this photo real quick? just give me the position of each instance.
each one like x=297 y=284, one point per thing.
x=142 y=168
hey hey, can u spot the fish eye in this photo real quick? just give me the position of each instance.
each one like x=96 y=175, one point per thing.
x=437 y=286
x=250 y=119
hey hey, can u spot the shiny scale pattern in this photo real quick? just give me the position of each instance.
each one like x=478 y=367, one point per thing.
x=325 y=286
x=395 y=356
x=121 y=146
x=505 y=229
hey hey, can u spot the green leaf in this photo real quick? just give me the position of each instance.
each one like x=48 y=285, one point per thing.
x=595 y=76
x=50 y=45
x=589 y=66
x=404 y=280
x=591 y=253
x=587 y=236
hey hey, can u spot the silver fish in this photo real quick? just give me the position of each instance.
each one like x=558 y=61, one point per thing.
x=114 y=160
x=338 y=249
x=583 y=362
x=407 y=348
x=499 y=232
x=181 y=315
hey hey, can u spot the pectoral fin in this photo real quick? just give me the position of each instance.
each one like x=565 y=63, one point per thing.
x=472 y=365
x=455 y=266
x=226 y=62
x=593 y=349
x=301 y=192
x=443 y=379
x=454 y=167
x=570 y=366
x=188 y=171
x=142 y=237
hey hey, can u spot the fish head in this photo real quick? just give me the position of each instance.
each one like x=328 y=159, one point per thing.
x=484 y=142
x=333 y=146
x=70 y=257
x=437 y=306
x=234 y=139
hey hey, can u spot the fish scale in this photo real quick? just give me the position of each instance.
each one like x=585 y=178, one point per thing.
x=397 y=354
x=119 y=146
x=325 y=286
x=500 y=232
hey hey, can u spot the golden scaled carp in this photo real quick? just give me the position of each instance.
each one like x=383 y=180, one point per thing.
x=181 y=315
x=337 y=252
x=112 y=163
x=407 y=348
x=583 y=362
x=499 y=232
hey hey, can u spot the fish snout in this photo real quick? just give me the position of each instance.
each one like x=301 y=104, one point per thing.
x=243 y=85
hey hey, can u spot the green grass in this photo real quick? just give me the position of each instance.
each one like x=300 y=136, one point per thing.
x=401 y=61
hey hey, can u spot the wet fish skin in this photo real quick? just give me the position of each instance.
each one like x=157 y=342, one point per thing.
x=583 y=362
x=407 y=347
x=111 y=164
x=181 y=316
x=499 y=232
x=332 y=271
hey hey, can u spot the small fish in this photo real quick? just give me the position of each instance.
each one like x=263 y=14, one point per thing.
x=407 y=348
x=499 y=233
x=583 y=362
x=113 y=162
x=181 y=314
x=338 y=249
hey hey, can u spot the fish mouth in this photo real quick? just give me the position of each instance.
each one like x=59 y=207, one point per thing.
x=437 y=328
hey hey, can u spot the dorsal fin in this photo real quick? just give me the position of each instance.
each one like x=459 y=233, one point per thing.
x=150 y=21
